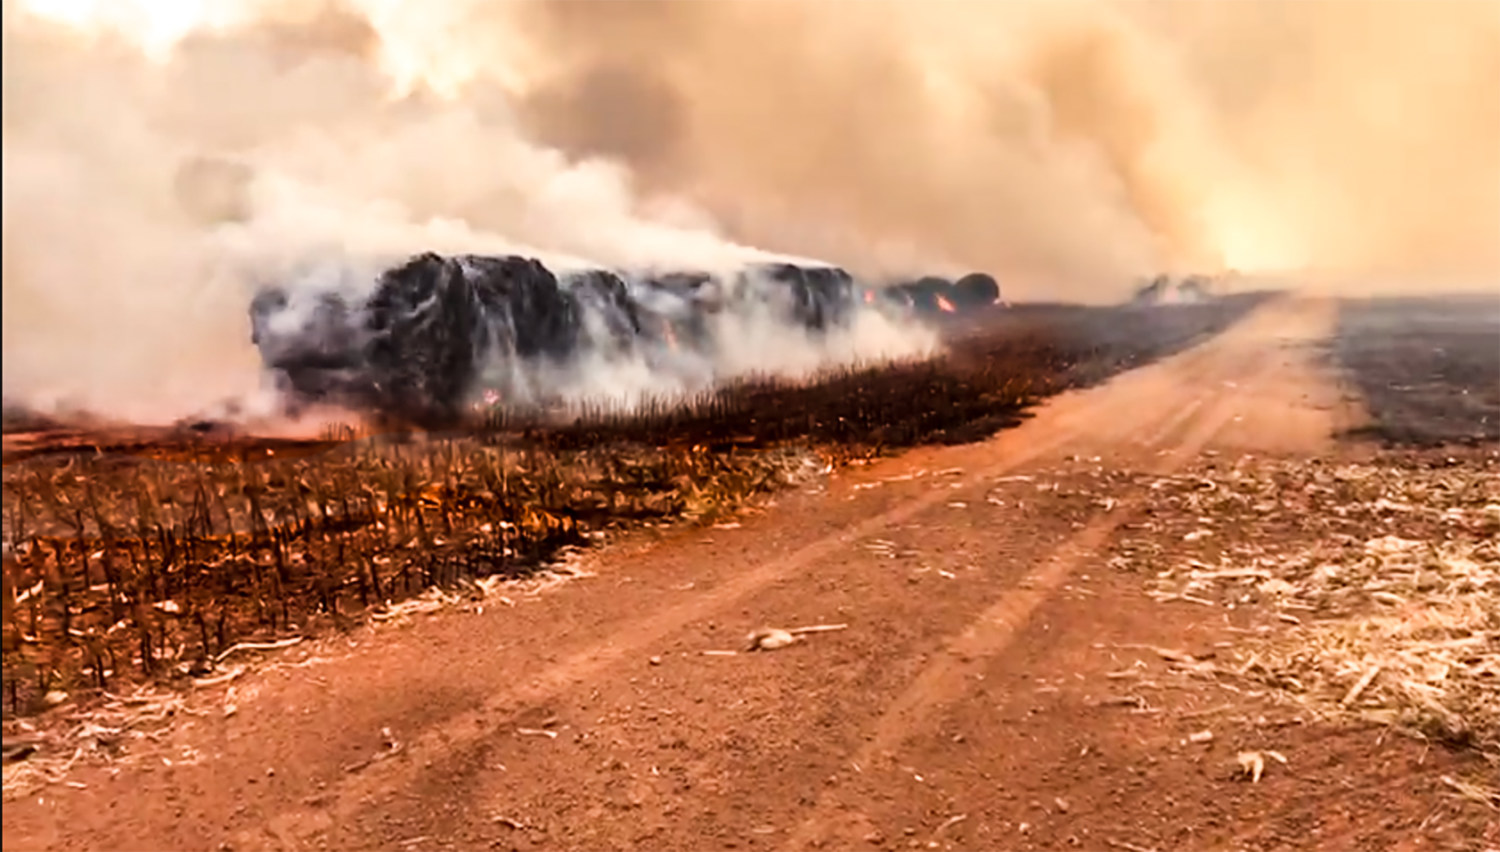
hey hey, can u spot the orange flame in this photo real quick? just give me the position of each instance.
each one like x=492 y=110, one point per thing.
x=869 y=297
x=670 y=336
x=944 y=304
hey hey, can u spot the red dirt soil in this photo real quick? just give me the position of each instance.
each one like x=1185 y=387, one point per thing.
x=968 y=704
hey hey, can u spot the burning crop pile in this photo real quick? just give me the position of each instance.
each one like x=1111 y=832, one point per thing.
x=436 y=337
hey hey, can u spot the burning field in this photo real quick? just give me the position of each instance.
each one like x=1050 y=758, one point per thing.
x=533 y=348
x=134 y=555
x=333 y=327
x=145 y=573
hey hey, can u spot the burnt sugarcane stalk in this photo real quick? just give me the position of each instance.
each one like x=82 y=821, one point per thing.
x=275 y=534
x=66 y=587
x=395 y=511
x=18 y=521
x=232 y=540
x=449 y=493
x=41 y=572
x=143 y=636
x=365 y=554
x=425 y=550
x=202 y=518
x=95 y=651
x=320 y=573
x=106 y=560
x=260 y=530
x=280 y=578
x=170 y=557
x=145 y=568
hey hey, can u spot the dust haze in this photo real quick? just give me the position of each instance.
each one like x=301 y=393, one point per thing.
x=1065 y=147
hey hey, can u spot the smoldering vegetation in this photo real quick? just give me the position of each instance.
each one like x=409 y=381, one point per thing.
x=996 y=365
x=1427 y=369
x=437 y=336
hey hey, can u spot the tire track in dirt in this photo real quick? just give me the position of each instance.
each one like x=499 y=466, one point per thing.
x=946 y=678
x=295 y=829
x=1074 y=420
x=1112 y=417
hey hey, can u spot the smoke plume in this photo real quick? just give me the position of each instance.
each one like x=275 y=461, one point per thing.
x=161 y=159
x=1067 y=144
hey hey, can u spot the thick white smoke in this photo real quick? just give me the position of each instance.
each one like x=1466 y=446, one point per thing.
x=149 y=188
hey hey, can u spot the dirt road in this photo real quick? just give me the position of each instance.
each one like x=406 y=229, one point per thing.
x=965 y=704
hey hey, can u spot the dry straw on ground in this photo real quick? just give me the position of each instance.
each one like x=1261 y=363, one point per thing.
x=1384 y=579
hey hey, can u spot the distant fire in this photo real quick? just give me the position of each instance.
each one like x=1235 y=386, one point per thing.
x=669 y=335
x=869 y=297
x=945 y=305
